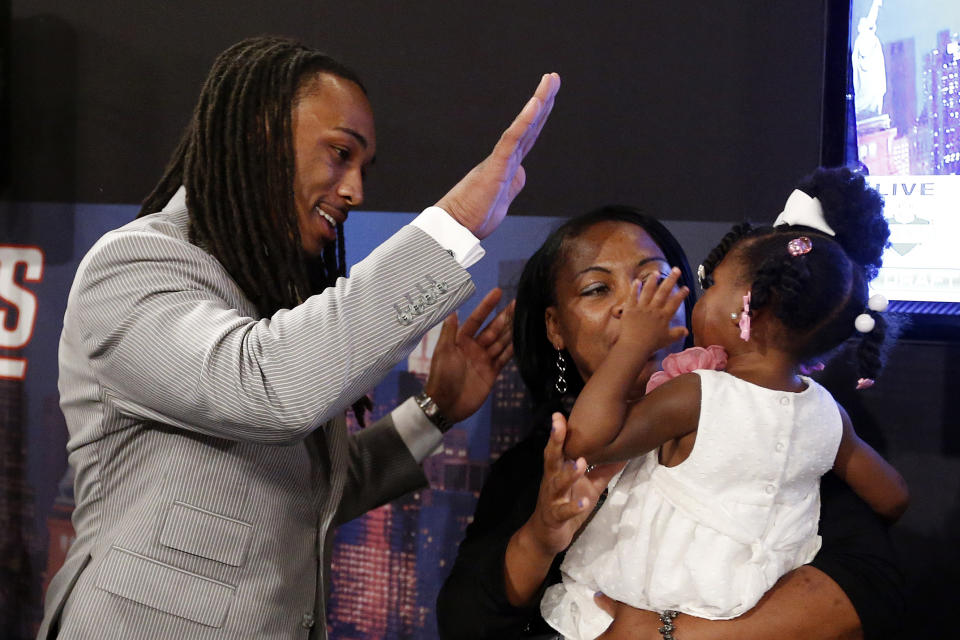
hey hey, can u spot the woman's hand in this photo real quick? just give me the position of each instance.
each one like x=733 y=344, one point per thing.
x=567 y=497
x=465 y=363
x=568 y=493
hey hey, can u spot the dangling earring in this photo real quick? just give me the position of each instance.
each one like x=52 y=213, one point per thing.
x=744 y=323
x=561 y=384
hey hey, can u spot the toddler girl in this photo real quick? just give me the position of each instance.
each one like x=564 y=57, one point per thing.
x=724 y=498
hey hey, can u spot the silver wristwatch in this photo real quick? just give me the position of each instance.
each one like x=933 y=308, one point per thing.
x=432 y=411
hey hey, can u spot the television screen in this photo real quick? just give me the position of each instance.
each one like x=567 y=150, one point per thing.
x=905 y=80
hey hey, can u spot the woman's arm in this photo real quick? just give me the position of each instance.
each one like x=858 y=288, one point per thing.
x=853 y=588
x=869 y=475
x=805 y=604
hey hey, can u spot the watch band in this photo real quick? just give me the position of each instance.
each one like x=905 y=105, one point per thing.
x=432 y=411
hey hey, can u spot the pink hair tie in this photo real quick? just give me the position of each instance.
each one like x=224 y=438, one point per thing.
x=799 y=246
x=864 y=383
x=744 y=323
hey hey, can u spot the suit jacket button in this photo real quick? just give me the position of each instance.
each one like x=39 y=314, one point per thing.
x=404 y=313
x=307 y=621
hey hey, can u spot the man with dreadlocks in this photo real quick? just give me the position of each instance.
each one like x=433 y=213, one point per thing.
x=211 y=347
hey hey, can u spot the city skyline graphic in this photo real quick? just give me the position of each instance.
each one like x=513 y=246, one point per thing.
x=389 y=564
x=908 y=121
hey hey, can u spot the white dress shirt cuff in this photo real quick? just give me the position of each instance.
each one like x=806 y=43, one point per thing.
x=450 y=234
x=415 y=429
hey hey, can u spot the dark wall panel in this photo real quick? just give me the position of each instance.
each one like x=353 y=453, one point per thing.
x=698 y=110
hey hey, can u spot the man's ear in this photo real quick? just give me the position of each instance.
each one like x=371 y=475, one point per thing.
x=553 y=327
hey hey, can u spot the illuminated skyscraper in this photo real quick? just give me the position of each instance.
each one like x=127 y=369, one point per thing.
x=373 y=568
x=943 y=78
x=510 y=411
x=901 y=98
x=374 y=578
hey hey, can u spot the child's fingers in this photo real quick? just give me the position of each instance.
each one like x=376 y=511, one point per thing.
x=676 y=299
x=645 y=290
x=666 y=287
x=677 y=334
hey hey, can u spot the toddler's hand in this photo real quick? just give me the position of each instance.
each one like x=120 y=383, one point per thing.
x=647 y=316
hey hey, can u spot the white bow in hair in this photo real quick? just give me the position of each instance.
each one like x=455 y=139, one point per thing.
x=803 y=210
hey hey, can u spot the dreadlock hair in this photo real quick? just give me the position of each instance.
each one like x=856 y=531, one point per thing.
x=236 y=161
x=536 y=290
x=818 y=295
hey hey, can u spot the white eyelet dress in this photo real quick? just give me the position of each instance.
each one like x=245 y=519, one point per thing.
x=709 y=536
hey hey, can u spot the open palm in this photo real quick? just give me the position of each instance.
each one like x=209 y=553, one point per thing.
x=467 y=360
x=480 y=200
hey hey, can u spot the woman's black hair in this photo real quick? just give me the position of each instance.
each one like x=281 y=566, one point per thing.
x=817 y=296
x=535 y=356
x=236 y=160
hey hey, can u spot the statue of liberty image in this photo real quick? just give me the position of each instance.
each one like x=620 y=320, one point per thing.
x=869 y=70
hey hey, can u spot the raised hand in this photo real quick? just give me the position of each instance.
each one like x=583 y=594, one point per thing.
x=646 y=318
x=465 y=363
x=480 y=200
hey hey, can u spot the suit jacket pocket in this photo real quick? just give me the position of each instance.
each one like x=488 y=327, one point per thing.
x=165 y=587
x=206 y=534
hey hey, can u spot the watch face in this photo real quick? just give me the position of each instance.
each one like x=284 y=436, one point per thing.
x=432 y=411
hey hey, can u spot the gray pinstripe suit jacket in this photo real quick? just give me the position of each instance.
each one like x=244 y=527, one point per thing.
x=210 y=453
